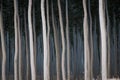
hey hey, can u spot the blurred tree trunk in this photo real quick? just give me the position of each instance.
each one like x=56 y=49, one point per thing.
x=27 y=49
x=48 y=37
x=91 y=40
x=3 y=48
x=63 y=41
x=87 y=63
x=34 y=35
x=16 y=40
x=32 y=60
x=108 y=41
x=19 y=50
x=68 y=42
x=46 y=66
x=103 y=39
x=57 y=46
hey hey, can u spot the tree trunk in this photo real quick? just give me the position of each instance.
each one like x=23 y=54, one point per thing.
x=20 y=49
x=91 y=40
x=34 y=33
x=48 y=37
x=87 y=72
x=108 y=41
x=16 y=40
x=32 y=60
x=63 y=41
x=57 y=46
x=27 y=49
x=46 y=66
x=68 y=42
x=3 y=48
x=103 y=39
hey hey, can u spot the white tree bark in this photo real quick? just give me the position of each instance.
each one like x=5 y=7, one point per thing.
x=20 y=49
x=91 y=41
x=46 y=66
x=16 y=40
x=32 y=60
x=103 y=39
x=63 y=41
x=48 y=37
x=3 y=48
x=68 y=42
x=86 y=44
x=27 y=50
x=57 y=46
x=34 y=33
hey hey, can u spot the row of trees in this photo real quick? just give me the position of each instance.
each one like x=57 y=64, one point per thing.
x=46 y=28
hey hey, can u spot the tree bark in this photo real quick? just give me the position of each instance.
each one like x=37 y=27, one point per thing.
x=63 y=41
x=3 y=48
x=91 y=40
x=68 y=42
x=108 y=41
x=27 y=49
x=57 y=46
x=87 y=75
x=48 y=37
x=46 y=66
x=19 y=50
x=34 y=35
x=103 y=39
x=32 y=60
x=16 y=39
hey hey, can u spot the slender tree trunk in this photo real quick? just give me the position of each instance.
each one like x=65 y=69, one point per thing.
x=27 y=50
x=16 y=40
x=91 y=40
x=68 y=42
x=86 y=44
x=20 y=50
x=48 y=37
x=3 y=48
x=108 y=41
x=46 y=66
x=57 y=46
x=103 y=39
x=32 y=60
x=63 y=41
x=34 y=33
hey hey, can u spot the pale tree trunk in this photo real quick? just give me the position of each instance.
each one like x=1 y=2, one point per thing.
x=3 y=48
x=45 y=66
x=57 y=46
x=103 y=39
x=16 y=40
x=108 y=41
x=91 y=40
x=27 y=50
x=63 y=41
x=68 y=42
x=20 y=49
x=32 y=60
x=86 y=44
x=34 y=33
x=48 y=37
